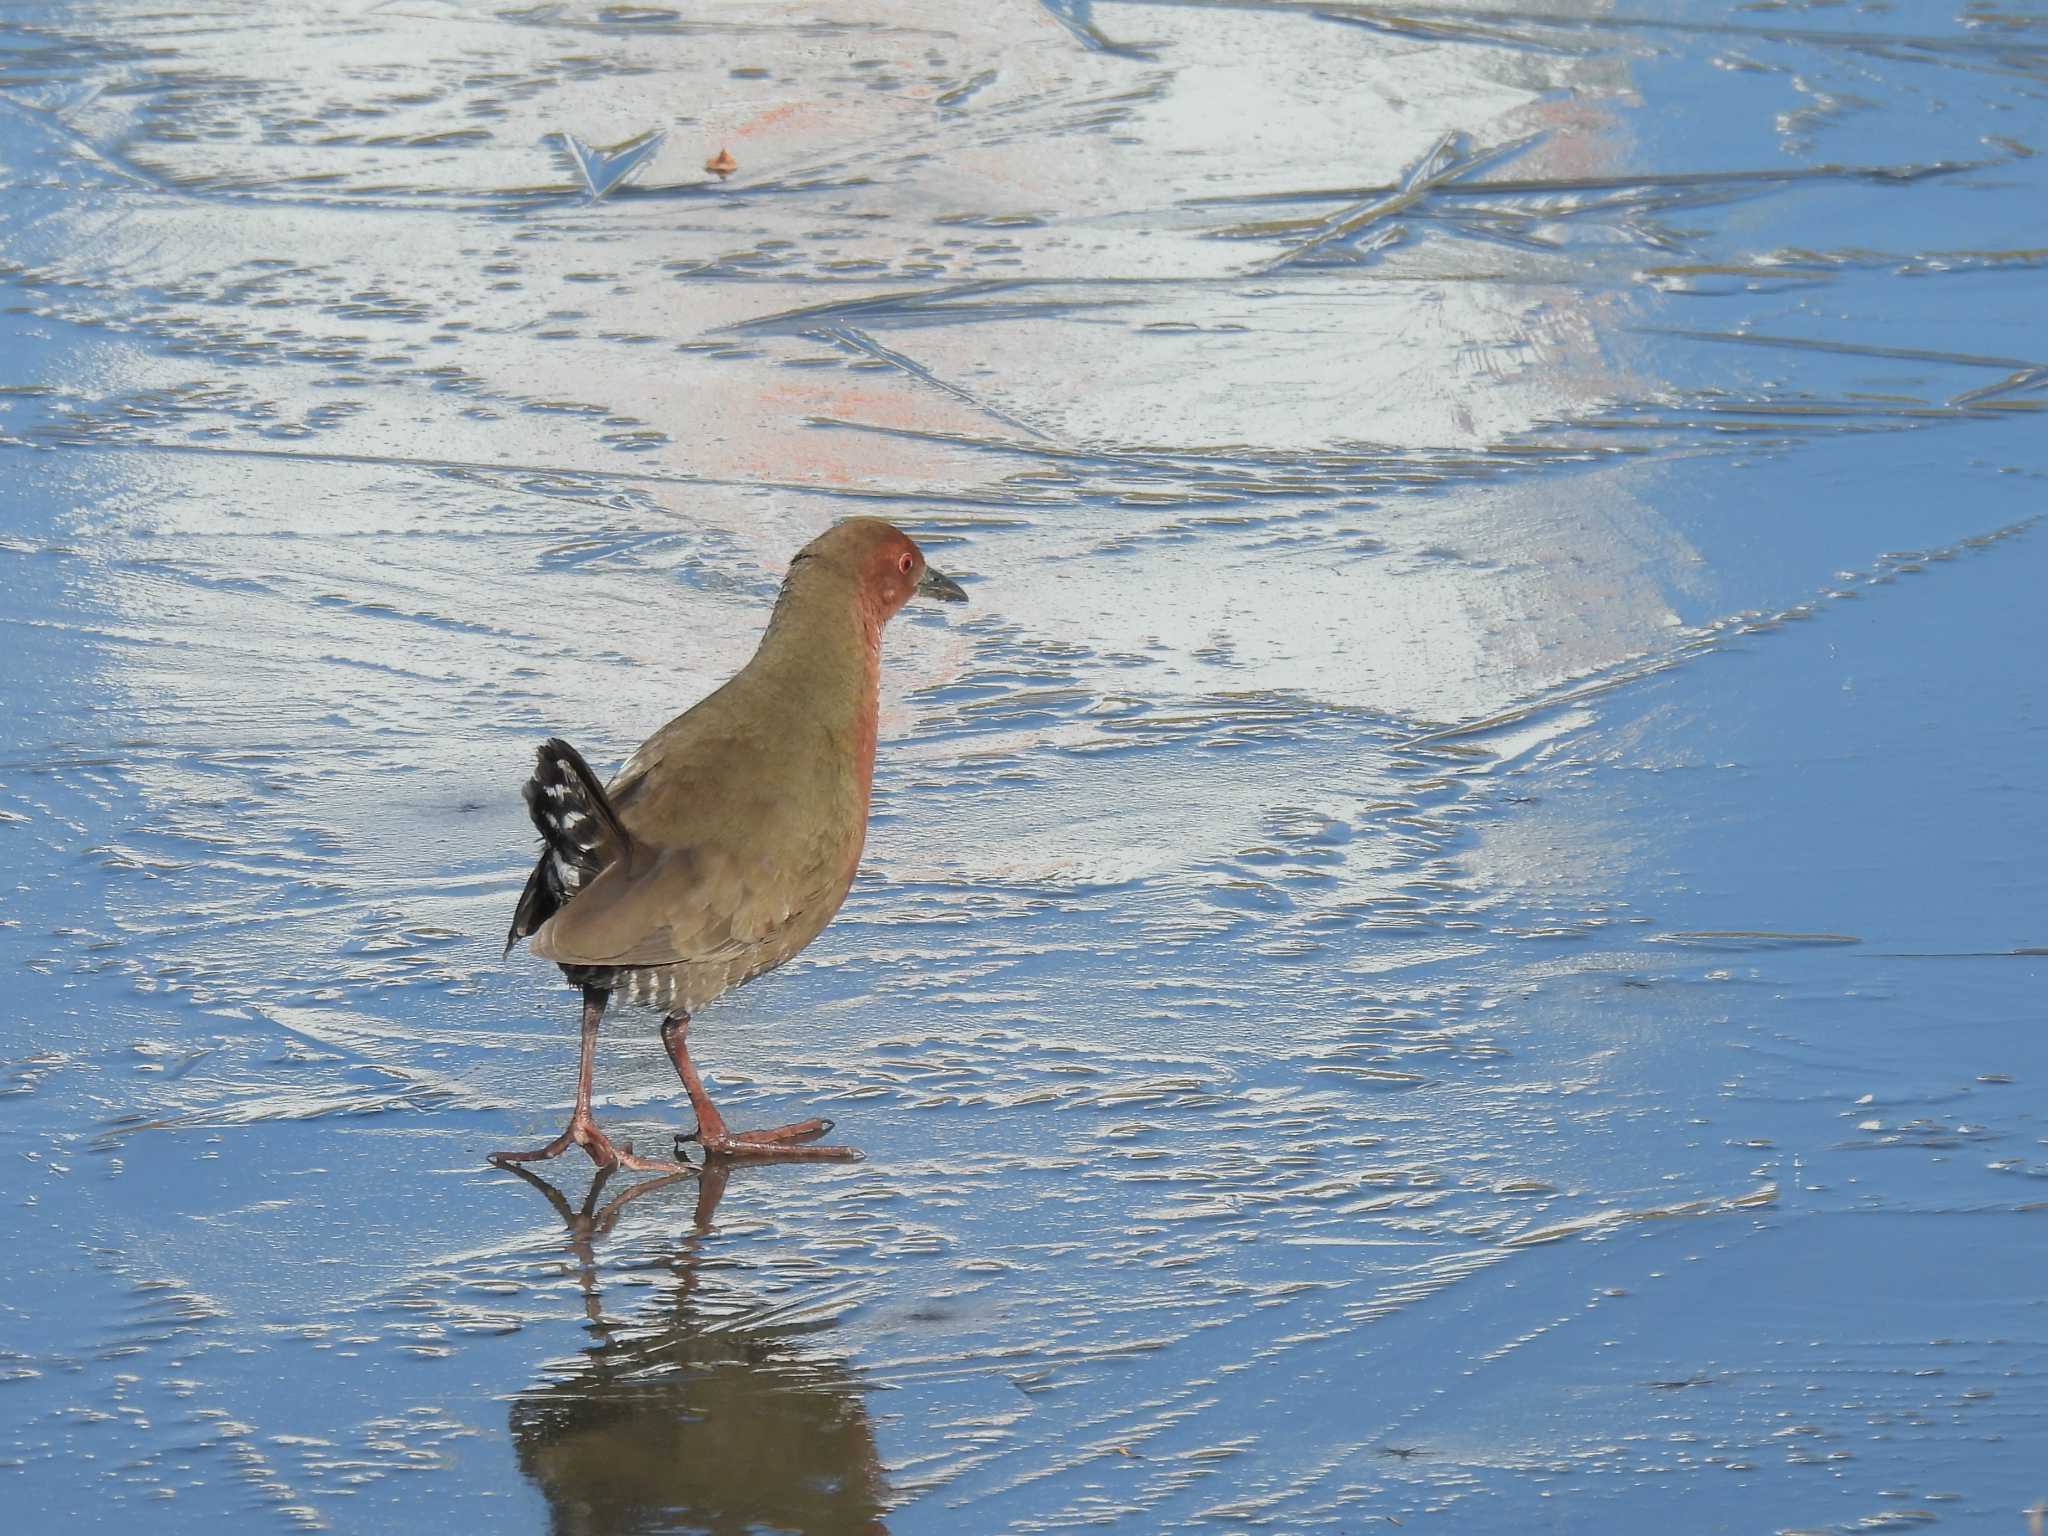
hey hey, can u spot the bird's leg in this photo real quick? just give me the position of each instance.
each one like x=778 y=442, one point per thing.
x=582 y=1130
x=782 y=1141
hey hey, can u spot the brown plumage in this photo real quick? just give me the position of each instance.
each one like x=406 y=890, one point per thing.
x=730 y=837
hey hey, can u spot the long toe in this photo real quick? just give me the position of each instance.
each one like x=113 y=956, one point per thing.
x=623 y=1152
x=791 y=1143
x=802 y=1130
x=555 y=1148
x=782 y=1151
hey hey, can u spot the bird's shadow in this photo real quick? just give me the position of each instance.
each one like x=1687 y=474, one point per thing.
x=590 y=1221
x=693 y=1416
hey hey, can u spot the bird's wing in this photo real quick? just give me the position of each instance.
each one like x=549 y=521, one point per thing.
x=687 y=907
x=626 y=784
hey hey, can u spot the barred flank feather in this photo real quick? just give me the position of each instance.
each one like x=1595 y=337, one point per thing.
x=579 y=832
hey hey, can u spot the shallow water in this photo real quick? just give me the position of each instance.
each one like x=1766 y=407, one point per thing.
x=1456 y=936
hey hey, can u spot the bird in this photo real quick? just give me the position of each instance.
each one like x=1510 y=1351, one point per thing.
x=729 y=838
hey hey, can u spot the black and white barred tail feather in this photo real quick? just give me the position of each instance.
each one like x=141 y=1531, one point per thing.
x=579 y=832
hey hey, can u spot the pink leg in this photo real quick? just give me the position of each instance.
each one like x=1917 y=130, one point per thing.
x=583 y=1131
x=785 y=1142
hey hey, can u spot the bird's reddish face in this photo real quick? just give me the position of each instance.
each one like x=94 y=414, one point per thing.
x=894 y=572
x=897 y=572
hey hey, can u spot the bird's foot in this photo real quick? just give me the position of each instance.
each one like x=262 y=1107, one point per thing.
x=784 y=1142
x=626 y=1159
x=604 y=1152
x=555 y=1148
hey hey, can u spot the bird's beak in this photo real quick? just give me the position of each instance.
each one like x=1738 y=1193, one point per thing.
x=944 y=588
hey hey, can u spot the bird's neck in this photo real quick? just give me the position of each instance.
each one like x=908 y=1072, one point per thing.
x=822 y=657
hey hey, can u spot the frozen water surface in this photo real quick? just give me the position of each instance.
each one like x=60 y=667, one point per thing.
x=1457 y=936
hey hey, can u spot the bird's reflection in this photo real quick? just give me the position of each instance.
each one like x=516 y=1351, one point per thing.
x=688 y=1421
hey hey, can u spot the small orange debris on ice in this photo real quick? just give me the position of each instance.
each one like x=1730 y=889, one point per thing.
x=722 y=164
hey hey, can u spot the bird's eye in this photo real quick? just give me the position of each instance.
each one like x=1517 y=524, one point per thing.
x=904 y=562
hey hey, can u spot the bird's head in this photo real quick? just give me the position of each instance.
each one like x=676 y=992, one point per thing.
x=881 y=563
